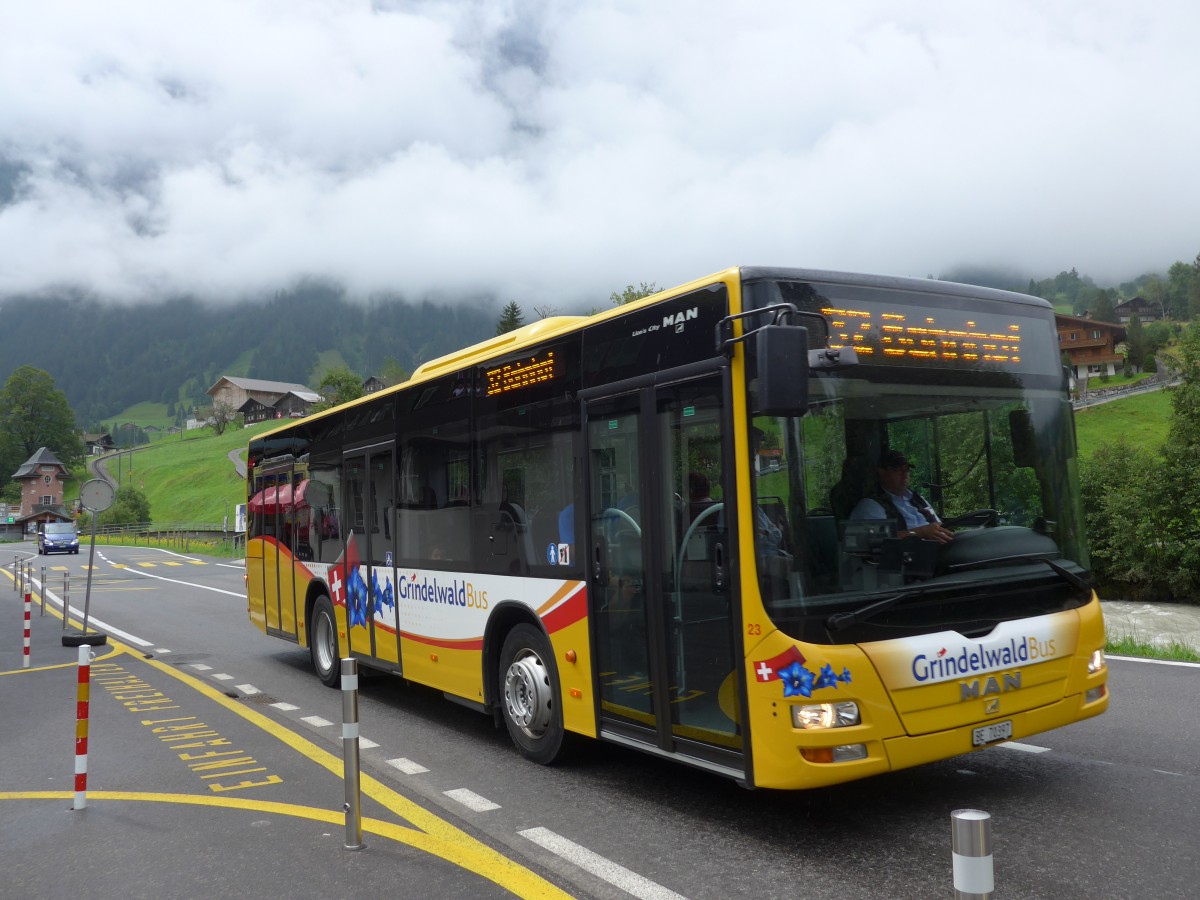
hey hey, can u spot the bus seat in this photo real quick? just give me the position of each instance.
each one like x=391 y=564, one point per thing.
x=857 y=481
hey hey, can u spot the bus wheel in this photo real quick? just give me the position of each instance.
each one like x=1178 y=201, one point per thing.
x=323 y=643
x=529 y=688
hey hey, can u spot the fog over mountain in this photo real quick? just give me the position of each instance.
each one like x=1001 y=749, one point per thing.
x=551 y=152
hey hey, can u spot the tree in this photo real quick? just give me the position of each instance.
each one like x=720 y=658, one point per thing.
x=223 y=415
x=545 y=311
x=129 y=507
x=631 y=293
x=1194 y=291
x=1180 y=478
x=1103 y=309
x=511 y=318
x=338 y=385
x=1155 y=291
x=35 y=414
x=1179 y=282
x=393 y=372
x=1135 y=343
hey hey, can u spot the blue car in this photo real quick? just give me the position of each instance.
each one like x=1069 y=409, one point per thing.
x=58 y=537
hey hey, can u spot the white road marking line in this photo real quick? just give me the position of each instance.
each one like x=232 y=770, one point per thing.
x=316 y=720
x=223 y=677
x=1027 y=748
x=248 y=689
x=191 y=584
x=616 y=875
x=1157 y=662
x=161 y=650
x=407 y=766
x=471 y=800
x=286 y=707
x=366 y=743
x=200 y=667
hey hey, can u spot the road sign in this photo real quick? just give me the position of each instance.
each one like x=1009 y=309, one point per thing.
x=96 y=495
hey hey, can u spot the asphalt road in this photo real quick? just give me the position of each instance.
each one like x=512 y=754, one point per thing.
x=1104 y=808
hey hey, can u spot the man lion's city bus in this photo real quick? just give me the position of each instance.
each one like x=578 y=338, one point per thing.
x=640 y=526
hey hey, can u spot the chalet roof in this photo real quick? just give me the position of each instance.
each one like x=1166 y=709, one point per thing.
x=258 y=384
x=304 y=397
x=43 y=457
x=251 y=405
x=1078 y=322
x=1138 y=302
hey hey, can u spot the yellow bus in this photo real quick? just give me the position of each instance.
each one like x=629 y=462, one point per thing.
x=660 y=526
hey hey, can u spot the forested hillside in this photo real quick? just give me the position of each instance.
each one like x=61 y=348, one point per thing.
x=107 y=357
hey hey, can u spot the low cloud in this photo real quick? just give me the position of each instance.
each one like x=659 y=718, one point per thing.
x=553 y=152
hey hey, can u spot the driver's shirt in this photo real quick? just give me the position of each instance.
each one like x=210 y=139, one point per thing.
x=868 y=508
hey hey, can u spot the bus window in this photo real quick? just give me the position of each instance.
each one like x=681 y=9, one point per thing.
x=433 y=479
x=526 y=475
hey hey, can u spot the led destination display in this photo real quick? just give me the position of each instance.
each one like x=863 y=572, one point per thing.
x=928 y=335
x=513 y=376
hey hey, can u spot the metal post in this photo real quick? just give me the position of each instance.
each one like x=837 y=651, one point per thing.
x=353 y=804
x=66 y=599
x=28 y=610
x=82 y=696
x=43 y=612
x=971 y=846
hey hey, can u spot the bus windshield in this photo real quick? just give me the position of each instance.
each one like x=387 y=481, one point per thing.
x=991 y=447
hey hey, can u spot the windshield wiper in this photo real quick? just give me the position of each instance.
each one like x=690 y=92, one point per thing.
x=843 y=620
x=1079 y=583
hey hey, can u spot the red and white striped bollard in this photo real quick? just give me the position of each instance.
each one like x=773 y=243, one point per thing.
x=82 y=695
x=28 y=611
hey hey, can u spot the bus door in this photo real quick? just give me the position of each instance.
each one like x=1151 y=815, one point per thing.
x=661 y=571
x=272 y=522
x=370 y=574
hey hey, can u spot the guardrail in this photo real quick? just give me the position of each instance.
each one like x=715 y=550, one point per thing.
x=177 y=536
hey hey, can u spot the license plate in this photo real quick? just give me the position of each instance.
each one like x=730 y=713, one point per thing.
x=989 y=734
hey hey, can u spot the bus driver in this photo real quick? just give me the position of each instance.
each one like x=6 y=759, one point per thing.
x=896 y=501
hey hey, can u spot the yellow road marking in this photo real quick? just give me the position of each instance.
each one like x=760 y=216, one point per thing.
x=147 y=565
x=479 y=858
x=429 y=833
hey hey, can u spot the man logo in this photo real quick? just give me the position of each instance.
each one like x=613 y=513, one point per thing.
x=679 y=319
x=986 y=687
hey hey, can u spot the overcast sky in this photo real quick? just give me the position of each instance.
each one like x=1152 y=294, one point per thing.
x=552 y=152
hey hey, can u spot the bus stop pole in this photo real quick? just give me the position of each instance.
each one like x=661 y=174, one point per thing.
x=353 y=804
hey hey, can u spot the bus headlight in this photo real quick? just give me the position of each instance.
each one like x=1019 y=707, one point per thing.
x=826 y=715
x=1096 y=663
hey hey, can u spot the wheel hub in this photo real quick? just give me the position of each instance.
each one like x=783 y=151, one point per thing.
x=527 y=694
x=324 y=642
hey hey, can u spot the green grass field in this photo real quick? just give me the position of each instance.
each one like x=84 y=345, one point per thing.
x=1142 y=420
x=188 y=478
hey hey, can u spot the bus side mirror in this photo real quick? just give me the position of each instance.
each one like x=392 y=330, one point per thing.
x=782 y=370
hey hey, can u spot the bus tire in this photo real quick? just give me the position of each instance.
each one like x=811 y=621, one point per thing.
x=323 y=643
x=529 y=695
